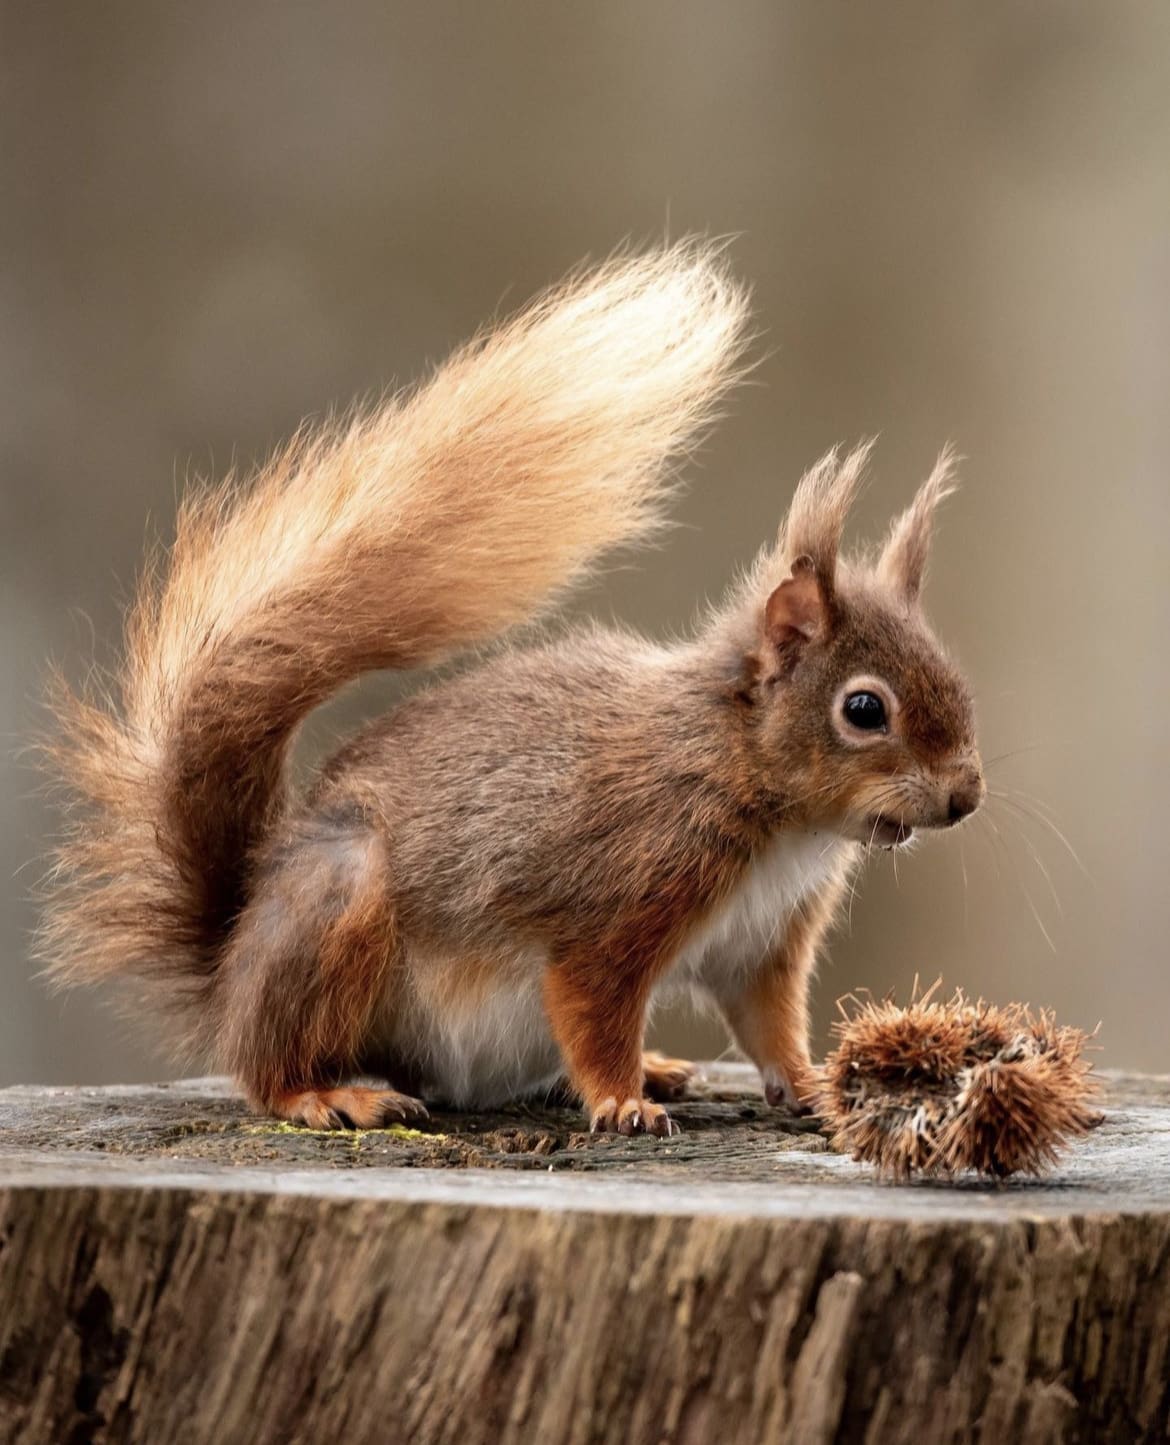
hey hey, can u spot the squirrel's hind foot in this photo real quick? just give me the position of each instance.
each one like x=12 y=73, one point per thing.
x=356 y=1107
x=665 y=1078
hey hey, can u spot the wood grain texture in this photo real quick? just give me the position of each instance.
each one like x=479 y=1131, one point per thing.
x=171 y=1270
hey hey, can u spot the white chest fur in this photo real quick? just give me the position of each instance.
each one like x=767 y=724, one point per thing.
x=738 y=935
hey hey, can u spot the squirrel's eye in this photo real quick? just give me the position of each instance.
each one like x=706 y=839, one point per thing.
x=865 y=710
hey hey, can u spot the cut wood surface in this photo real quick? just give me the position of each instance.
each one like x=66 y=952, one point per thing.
x=172 y=1269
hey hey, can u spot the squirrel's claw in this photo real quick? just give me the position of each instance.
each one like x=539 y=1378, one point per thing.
x=635 y=1116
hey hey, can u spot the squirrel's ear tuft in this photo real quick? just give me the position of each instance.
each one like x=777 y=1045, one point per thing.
x=903 y=559
x=797 y=611
x=816 y=518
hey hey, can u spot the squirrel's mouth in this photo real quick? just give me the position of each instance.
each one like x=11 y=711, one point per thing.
x=888 y=832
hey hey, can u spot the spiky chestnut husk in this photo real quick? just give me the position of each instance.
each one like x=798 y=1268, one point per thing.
x=937 y=1088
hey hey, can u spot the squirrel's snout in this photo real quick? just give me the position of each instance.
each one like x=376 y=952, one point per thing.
x=961 y=806
x=967 y=792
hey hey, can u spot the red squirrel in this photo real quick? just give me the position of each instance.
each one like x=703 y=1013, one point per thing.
x=487 y=888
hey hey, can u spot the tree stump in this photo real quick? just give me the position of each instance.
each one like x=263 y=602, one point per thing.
x=172 y=1270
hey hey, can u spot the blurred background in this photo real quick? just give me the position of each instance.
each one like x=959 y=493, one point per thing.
x=218 y=219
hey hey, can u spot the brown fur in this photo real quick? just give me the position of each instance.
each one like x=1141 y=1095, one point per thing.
x=553 y=824
x=309 y=959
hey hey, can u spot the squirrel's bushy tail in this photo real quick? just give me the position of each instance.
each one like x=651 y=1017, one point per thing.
x=387 y=539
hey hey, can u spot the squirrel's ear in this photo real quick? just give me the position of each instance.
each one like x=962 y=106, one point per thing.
x=903 y=560
x=820 y=504
x=797 y=611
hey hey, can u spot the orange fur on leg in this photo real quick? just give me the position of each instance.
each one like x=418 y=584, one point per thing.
x=769 y=1017
x=770 y=1023
x=597 y=1014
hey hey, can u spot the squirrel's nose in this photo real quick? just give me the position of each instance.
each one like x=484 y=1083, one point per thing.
x=961 y=806
x=966 y=795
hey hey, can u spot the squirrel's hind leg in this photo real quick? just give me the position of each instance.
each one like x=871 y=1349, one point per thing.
x=305 y=974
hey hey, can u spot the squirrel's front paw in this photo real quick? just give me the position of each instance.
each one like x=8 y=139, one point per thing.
x=798 y=1095
x=634 y=1116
